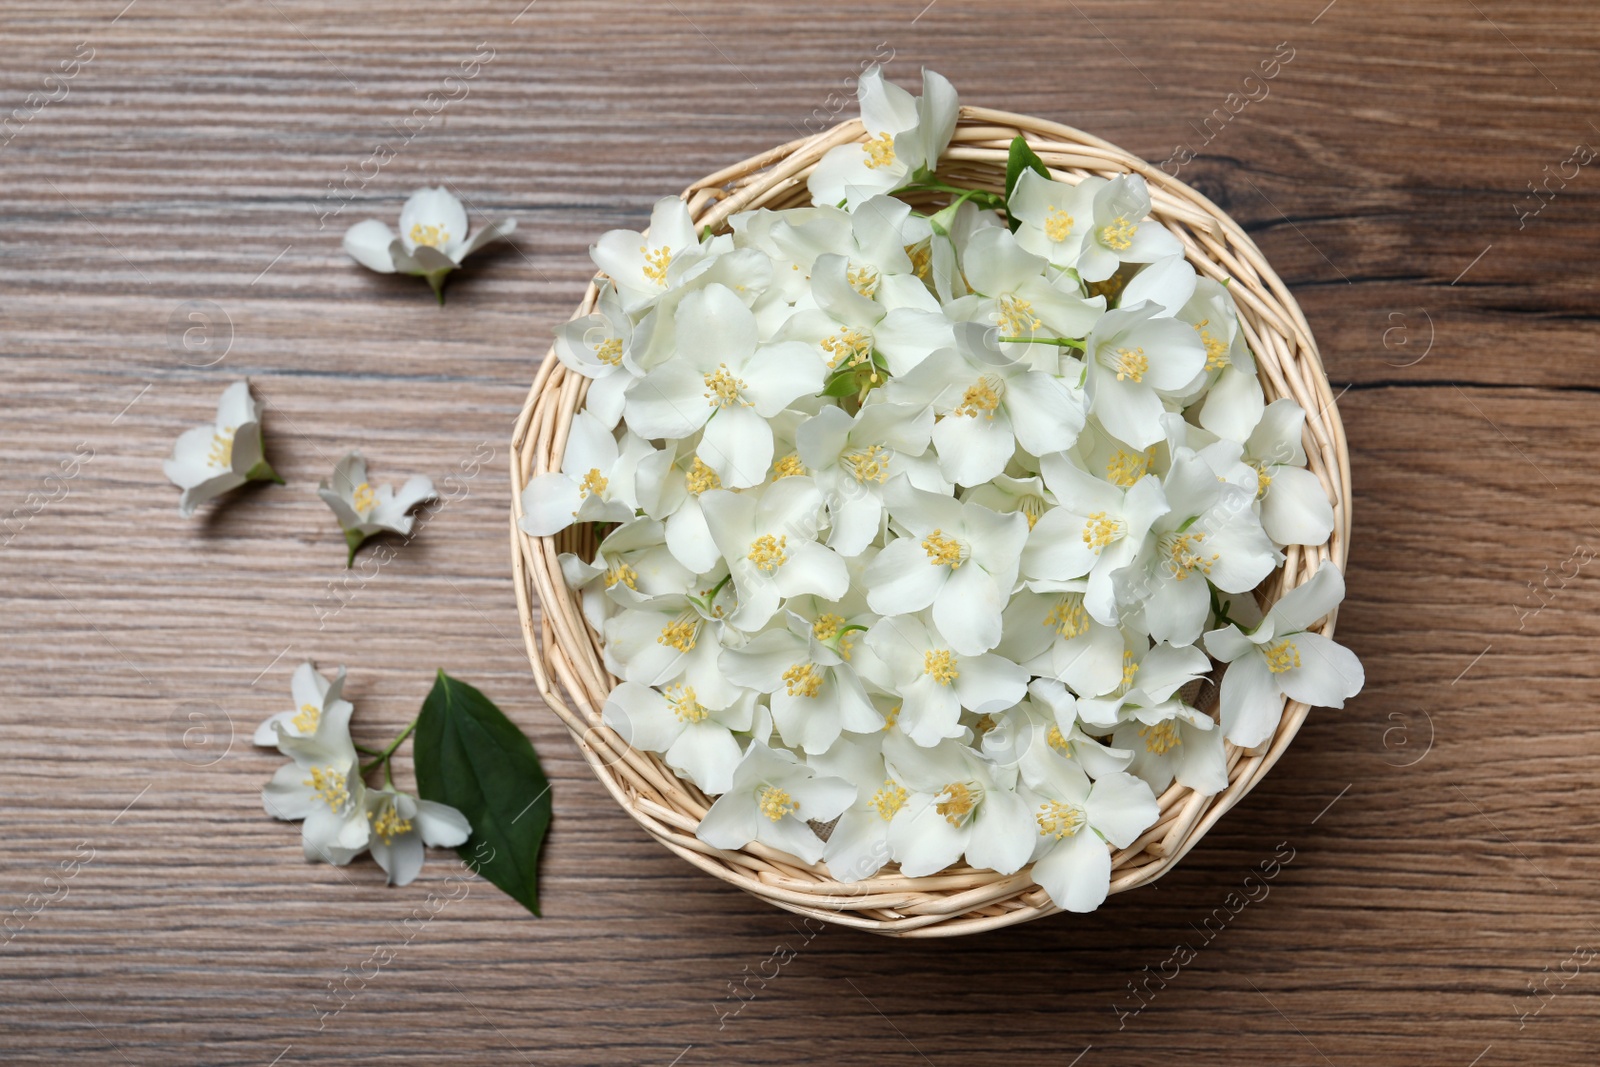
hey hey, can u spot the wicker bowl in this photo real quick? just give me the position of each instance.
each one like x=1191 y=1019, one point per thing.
x=566 y=652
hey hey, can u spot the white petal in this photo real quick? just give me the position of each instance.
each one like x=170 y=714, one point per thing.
x=967 y=609
x=1076 y=872
x=1328 y=673
x=1251 y=701
x=368 y=244
x=901 y=580
x=550 y=504
x=737 y=445
x=1295 y=510
x=433 y=207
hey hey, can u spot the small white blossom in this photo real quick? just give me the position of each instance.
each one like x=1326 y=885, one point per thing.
x=432 y=241
x=208 y=461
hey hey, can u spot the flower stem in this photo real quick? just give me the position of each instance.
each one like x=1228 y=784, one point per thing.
x=387 y=754
x=1058 y=341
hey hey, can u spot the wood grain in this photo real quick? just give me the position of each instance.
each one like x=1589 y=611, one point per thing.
x=1441 y=826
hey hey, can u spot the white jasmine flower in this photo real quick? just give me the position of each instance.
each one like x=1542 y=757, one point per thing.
x=642 y=267
x=770 y=800
x=1135 y=356
x=1064 y=730
x=960 y=559
x=957 y=804
x=363 y=511
x=1054 y=217
x=935 y=681
x=674 y=638
x=725 y=381
x=1121 y=231
x=596 y=482
x=696 y=741
x=1096 y=531
x=1010 y=291
x=858 y=845
x=208 y=461
x=1075 y=820
x=905 y=137
x=402 y=824
x=597 y=347
x=767 y=538
x=815 y=692
x=313 y=695
x=853 y=459
x=1171 y=740
x=1281 y=658
x=864 y=319
x=1294 y=506
x=322 y=785
x=432 y=241
x=1151 y=674
x=1051 y=633
x=631 y=565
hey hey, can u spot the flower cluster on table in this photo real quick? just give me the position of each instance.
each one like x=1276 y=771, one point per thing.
x=924 y=523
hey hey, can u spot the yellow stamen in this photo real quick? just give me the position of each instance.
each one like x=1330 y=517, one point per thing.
x=1032 y=508
x=921 y=259
x=1216 y=349
x=984 y=724
x=802 y=680
x=849 y=347
x=956 y=802
x=827 y=626
x=681 y=633
x=329 y=784
x=789 y=466
x=869 y=465
x=1059 y=820
x=863 y=280
x=623 y=573
x=685 y=706
x=594 y=483
x=775 y=803
x=221 y=451
x=1161 y=737
x=890 y=799
x=1056 y=741
x=1057 y=225
x=943 y=551
x=1131 y=364
x=1118 y=236
x=1283 y=656
x=1263 y=480
x=1068 y=617
x=723 y=390
x=701 y=477
x=1130 y=670
x=306 y=721
x=982 y=397
x=767 y=553
x=880 y=150
x=656 y=264
x=1101 y=530
x=609 y=352
x=893 y=717
x=1125 y=468
x=1184 y=552
x=389 y=825
x=429 y=236
x=1015 y=316
x=940 y=665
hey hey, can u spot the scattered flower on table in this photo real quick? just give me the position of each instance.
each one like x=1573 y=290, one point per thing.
x=208 y=461
x=918 y=523
x=363 y=511
x=432 y=241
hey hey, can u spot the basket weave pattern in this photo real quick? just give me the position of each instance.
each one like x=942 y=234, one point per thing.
x=566 y=652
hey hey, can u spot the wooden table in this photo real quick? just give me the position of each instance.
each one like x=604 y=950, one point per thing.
x=205 y=159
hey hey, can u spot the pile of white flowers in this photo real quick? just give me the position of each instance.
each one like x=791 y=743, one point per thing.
x=925 y=524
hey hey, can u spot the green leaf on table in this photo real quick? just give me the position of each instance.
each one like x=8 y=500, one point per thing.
x=470 y=756
x=1021 y=158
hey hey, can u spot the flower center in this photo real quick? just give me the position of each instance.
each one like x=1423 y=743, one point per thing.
x=1057 y=225
x=921 y=256
x=827 y=626
x=723 y=389
x=940 y=665
x=1282 y=656
x=1130 y=671
x=681 y=633
x=701 y=477
x=1032 y=507
x=957 y=801
x=863 y=280
x=1263 y=480
x=1125 y=468
x=890 y=799
x=1056 y=740
x=1161 y=737
x=775 y=803
x=429 y=236
x=802 y=680
x=656 y=263
x=363 y=498
x=1216 y=349
x=1016 y=316
x=850 y=347
x=1068 y=617
x=767 y=553
x=329 y=784
x=685 y=706
x=221 y=452
x=1130 y=364
x=893 y=717
x=880 y=150
x=789 y=466
x=593 y=484
x=622 y=573
x=944 y=551
x=984 y=724
x=306 y=721
x=1183 y=550
x=869 y=465
x=1118 y=234
x=1059 y=820
x=389 y=825
x=1100 y=530
x=982 y=396
x=609 y=352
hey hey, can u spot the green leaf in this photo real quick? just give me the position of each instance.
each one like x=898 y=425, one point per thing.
x=470 y=756
x=1021 y=158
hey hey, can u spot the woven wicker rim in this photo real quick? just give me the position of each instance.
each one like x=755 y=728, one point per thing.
x=566 y=653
